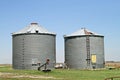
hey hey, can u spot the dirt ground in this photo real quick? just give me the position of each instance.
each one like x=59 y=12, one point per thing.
x=13 y=75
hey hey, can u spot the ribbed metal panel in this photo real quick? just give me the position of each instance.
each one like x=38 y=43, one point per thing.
x=32 y=48
x=97 y=47
x=76 y=51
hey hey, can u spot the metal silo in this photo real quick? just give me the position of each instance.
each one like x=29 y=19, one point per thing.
x=84 y=50
x=32 y=46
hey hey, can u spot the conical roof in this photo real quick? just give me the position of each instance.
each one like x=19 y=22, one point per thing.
x=82 y=31
x=33 y=28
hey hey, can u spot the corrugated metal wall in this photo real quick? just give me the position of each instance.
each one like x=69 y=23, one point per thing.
x=97 y=47
x=30 y=49
x=76 y=51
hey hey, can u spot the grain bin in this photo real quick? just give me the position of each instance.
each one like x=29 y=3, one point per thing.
x=84 y=50
x=32 y=46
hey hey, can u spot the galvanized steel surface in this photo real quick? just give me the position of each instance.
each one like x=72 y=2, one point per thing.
x=31 y=49
x=33 y=28
x=32 y=46
x=76 y=51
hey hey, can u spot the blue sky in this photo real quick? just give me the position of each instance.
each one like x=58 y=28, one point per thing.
x=62 y=17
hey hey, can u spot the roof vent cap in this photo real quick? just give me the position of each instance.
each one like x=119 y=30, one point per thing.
x=34 y=23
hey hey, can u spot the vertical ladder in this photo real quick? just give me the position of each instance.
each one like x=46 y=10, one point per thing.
x=88 y=51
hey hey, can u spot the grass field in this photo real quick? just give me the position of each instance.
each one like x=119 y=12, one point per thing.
x=7 y=73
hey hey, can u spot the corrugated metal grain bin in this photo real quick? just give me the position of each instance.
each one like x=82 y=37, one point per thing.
x=84 y=50
x=33 y=45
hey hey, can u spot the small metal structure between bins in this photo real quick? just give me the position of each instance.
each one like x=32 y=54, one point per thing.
x=45 y=66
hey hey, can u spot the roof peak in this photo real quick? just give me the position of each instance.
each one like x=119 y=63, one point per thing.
x=33 y=28
x=82 y=31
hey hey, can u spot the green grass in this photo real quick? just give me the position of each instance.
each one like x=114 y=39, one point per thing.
x=58 y=74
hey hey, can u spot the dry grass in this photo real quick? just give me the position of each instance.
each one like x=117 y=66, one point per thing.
x=113 y=64
x=5 y=65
